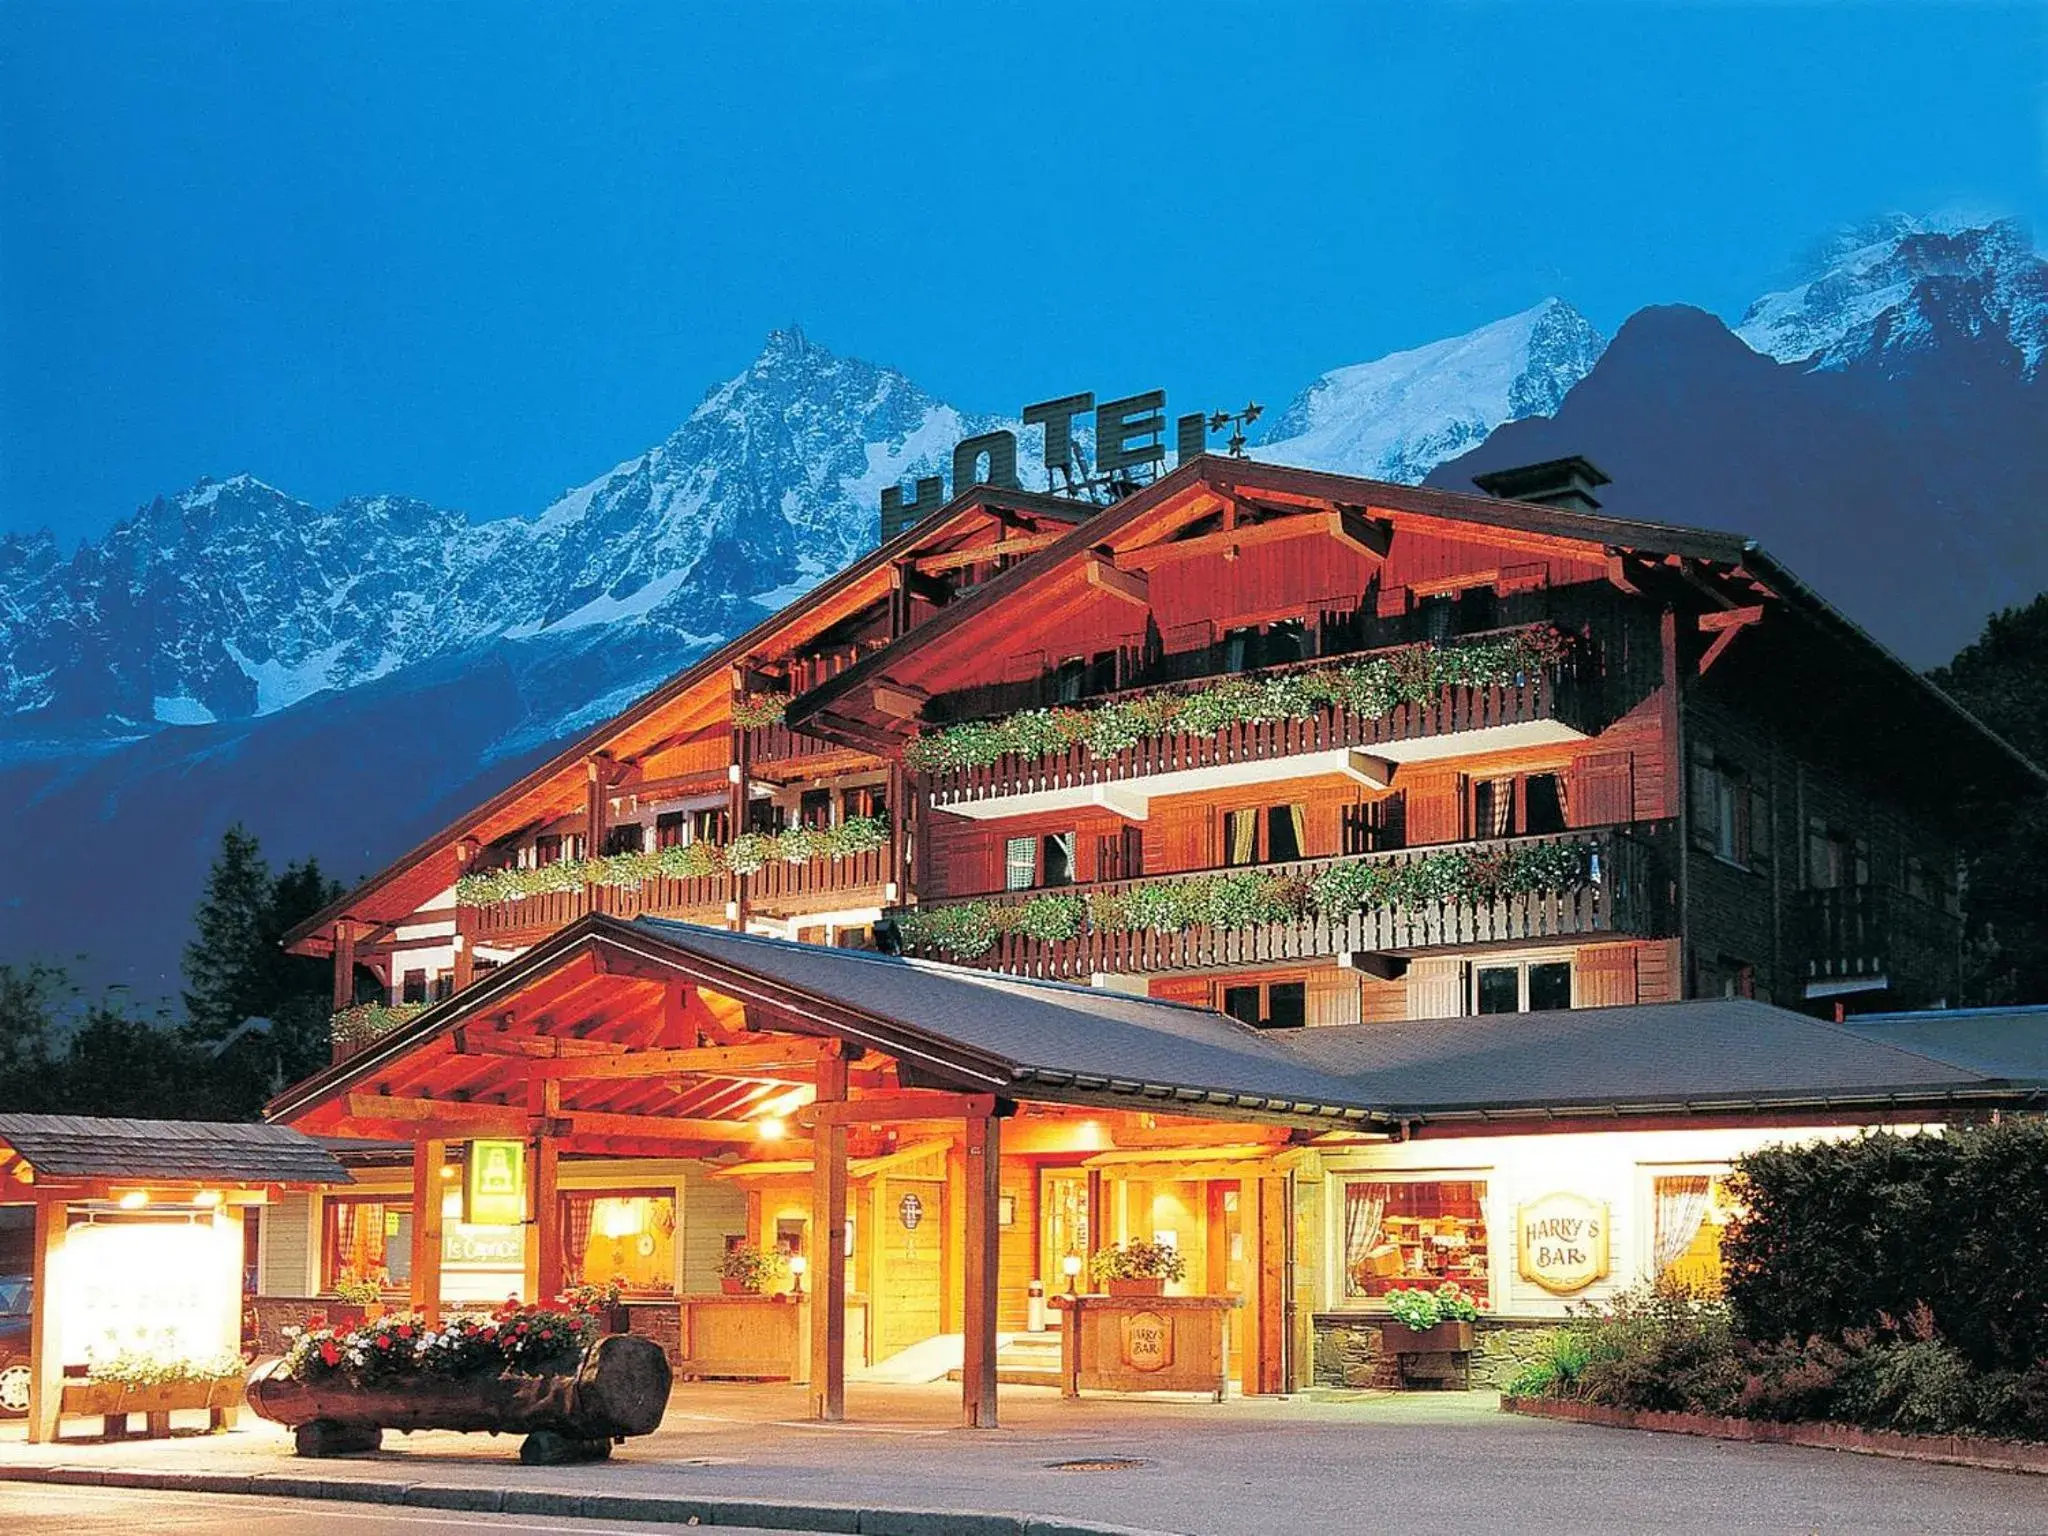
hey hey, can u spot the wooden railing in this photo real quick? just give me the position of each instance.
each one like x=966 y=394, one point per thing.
x=777 y=743
x=1627 y=891
x=1863 y=932
x=1556 y=693
x=856 y=880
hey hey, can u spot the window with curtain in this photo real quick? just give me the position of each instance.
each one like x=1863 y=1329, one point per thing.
x=627 y=1235
x=366 y=1237
x=1414 y=1232
x=1241 y=837
x=1057 y=859
x=669 y=828
x=1692 y=1211
x=1493 y=807
x=1020 y=863
x=1286 y=832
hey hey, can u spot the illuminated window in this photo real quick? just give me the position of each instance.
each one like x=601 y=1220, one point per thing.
x=366 y=1237
x=1535 y=986
x=1692 y=1211
x=627 y=1235
x=1414 y=1233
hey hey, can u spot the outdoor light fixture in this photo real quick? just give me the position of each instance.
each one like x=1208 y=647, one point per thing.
x=797 y=1265
x=207 y=1199
x=772 y=1129
x=133 y=1200
x=450 y=1171
x=1070 y=1266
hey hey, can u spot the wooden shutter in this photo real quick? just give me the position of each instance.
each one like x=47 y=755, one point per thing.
x=1602 y=790
x=1435 y=809
x=1333 y=997
x=1436 y=989
x=1760 y=829
x=1604 y=976
x=1705 y=802
x=1193 y=990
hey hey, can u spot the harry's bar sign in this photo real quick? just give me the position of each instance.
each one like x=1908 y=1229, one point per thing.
x=1130 y=442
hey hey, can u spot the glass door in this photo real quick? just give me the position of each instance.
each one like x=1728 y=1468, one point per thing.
x=1063 y=1226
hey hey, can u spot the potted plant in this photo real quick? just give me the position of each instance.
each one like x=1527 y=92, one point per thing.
x=1430 y=1322
x=358 y=1298
x=602 y=1302
x=1137 y=1268
x=746 y=1269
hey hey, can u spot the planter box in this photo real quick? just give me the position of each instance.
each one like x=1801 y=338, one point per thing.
x=1148 y=1285
x=731 y=1287
x=1443 y=1339
x=117 y=1400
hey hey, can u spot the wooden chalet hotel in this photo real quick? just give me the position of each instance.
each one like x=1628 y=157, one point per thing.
x=1346 y=885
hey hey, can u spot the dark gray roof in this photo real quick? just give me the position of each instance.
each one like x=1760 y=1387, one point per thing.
x=1731 y=1052
x=1052 y=1033
x=79 y=1146
x=2004 y=1042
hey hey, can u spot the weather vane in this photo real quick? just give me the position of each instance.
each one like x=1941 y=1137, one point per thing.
x=1218 y=420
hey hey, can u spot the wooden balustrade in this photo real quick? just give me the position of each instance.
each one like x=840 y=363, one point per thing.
x=853 y=880
x=1866 y=932
x=1627 y=891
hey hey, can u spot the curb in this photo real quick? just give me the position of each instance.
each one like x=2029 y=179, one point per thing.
x=765 y=1514
x=1944 y=1450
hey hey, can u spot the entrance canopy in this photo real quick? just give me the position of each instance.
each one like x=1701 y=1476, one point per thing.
x=74 y=1154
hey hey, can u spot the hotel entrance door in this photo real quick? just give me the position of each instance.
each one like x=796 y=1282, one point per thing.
x=1062 y=1227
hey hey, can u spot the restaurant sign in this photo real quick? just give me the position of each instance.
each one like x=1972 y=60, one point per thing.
x=1147 y=1341
x=494 y=1193
x=1562 y=1242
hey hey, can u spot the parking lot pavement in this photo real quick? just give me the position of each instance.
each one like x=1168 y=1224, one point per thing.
x=1437 y=1462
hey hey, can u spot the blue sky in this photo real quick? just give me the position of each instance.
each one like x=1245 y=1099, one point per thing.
x=479 y=253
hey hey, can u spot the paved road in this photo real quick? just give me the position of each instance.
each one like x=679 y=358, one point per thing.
x=31 y=1510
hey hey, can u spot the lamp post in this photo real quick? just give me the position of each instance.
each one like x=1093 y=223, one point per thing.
x=797 y=1265
x=1070 y=1266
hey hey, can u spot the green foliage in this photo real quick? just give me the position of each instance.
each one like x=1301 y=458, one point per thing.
x=143 y=1368
x=1371 y=687
x=752 y=1266
x=1837 y=1236
x=1137 y=1260
x=744 y=855
x=529 y=1340
x=364 y=1023
x=1418 y=1308
x=1247 y=898
x=759 y=709
x=1657 y=1347
x=1554 y=1372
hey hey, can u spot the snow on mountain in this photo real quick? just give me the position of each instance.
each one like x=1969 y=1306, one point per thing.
x=1400 y=416
x=1892 y=288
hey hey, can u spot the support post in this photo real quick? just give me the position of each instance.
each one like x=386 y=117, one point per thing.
x=46 y=1360
x=828 y=1258
x=344 y=963
x=549 y=1279
x=427 y=1158
x=978 y=1321
x=952 y=1241
x=1269 y=1322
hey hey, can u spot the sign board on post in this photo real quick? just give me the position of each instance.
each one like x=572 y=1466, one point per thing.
x=1561 y=1242
x=494 y=1186
x=1148 y=1341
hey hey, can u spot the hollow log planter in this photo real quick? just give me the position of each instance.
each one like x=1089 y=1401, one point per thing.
x=619 y=1388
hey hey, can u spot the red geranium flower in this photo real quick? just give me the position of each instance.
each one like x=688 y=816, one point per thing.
x=520 y=1329
x=329 y=1353
x=383 y=1341
x=405 y=1330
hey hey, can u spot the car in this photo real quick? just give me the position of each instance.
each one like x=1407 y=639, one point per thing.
x=14 y=1347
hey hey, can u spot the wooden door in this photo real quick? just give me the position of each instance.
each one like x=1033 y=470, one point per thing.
x=912 y=1219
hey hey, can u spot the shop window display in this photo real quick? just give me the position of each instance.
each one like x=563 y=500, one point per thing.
x=1692 y=1211
x=1422 y=1232
x=622 y=1235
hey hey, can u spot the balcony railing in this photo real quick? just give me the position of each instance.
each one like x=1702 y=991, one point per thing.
x=1622 y=888
x=1548 y=703
x=851 y=880
x=1870 y=932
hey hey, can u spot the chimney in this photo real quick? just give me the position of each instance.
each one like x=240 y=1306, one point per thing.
x=1567 y=483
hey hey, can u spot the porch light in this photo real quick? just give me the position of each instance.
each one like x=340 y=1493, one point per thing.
x=133 y=1200
x=207 y=1199
x=450 y=1171
x=1070 y=1266
x=798 y=1264
x=772 y=1129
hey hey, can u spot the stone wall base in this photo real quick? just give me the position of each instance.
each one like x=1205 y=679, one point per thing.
x=1954 y=1450
x=1350 y=1352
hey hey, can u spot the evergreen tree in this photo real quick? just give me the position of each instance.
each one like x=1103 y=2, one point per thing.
x=225 y=964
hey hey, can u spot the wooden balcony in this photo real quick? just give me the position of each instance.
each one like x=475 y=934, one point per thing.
x=1626 y=891
x=775 y=752
x=1866 y=937
x=1548 y=706
x=823 y=885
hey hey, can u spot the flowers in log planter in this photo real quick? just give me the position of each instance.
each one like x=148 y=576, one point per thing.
x=363 y=1023
x=537 y=1341
x=138 y=1368
x=1137 y=1268
x=747 y=1270
x=1247 y=898
x=745 y=854
x=1371 y=687
x=759 y=709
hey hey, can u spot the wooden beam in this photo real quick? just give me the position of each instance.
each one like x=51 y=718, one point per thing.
x=898 y=701
x=480 y=1119
x=46 y=1301
x=1270 y=1317
x=979 y=1260
x=828 y=1257
x=979 y=554
x=661 y=1128
x=1367 y=536
x=1724 y=625
x=1131 y=586
x=344 y=962
x=1228 y=541
x=551 y=1278
x=883 y=1108
x=763 y=1059
x=532 y=1047
x=427 y=1158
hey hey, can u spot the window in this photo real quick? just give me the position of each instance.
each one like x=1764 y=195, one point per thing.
x=412 y=988
x=1730 y=813
x=1374 y=826
x=1020 y=863
x=366 y=1237
x=626 y=1235
x=1493 y=807
x=1725 y=976
x=1434 y=617
x=626 y=837
x=765 y=816
x=1256 y=834
x=1239 y=649
x=863 y=800
x=1268 y=1005
x=443 y=986
x=1692 y=1211
x=1069 y=679
x=1240 y=837
x=547 y=849
x=1058 y=855
x=712 y=826
x=814 y=809
x=1427 y=1232
x=669 y=828
x=1835 y=858
x=1535 y=986
x=1543 y=801
x=1286 y=832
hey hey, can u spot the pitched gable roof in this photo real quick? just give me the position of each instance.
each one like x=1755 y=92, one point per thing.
x=182 y=1151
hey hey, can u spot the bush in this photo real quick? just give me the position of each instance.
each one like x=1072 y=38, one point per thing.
x=1661 y=1348
x=1841 y=1236
x=1555 y=1372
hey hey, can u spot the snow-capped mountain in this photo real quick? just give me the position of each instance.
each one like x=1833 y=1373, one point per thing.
x=1893 y=289
x=234 y=599
x=1400 y=416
